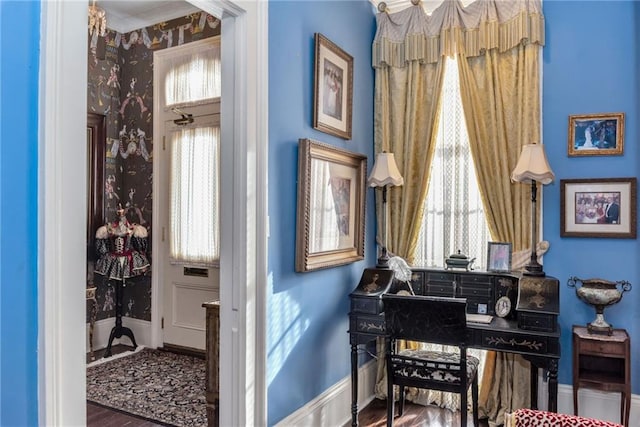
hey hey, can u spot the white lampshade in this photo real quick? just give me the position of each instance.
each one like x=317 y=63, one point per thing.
x=385 y=171
x=533 y=165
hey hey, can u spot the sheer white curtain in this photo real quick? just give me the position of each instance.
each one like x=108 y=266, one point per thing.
x=324 y=228
x=194 y=196
x=194 y=77
x=454 y=216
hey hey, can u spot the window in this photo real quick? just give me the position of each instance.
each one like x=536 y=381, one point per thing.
x=454 y=216
x=194 y=196
x=193 y=82
x=194 y=77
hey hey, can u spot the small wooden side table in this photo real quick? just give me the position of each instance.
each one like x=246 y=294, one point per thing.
x=602 y=362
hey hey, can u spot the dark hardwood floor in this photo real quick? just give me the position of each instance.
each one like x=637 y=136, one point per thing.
x=373 y=415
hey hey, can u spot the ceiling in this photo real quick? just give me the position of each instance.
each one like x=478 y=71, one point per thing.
x=128 y=15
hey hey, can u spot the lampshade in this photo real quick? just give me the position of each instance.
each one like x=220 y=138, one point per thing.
x=385 y=171
x=533 y=165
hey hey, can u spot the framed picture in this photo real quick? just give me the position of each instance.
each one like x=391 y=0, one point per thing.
x=331 y=206
x=598 y=208
x=333 y=88
x=498 y=256
x=596 y=134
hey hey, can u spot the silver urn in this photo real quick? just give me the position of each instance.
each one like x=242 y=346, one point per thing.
x=599 y=293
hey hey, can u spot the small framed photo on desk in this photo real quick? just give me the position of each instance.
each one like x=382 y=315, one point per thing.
x=499 y=257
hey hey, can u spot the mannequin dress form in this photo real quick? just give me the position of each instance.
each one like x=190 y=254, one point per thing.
x=121 y=248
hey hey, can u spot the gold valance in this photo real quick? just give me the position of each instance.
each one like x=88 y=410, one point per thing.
x=413 y=35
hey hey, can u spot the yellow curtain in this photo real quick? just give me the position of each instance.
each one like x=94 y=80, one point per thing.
x=501 y=100
x=405 y=123
x=497 y=44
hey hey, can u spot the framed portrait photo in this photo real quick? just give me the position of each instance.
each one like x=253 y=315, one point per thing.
x=596 y=134
x=499 y=256
x=333 y=88
x=598 y=207
x=331 y=206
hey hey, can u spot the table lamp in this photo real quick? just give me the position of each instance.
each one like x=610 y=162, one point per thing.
x=385 y=174
x=533 y=165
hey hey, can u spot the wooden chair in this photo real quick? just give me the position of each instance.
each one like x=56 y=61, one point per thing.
x=434 y=320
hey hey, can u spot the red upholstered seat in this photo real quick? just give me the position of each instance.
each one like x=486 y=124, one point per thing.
x=536 y=418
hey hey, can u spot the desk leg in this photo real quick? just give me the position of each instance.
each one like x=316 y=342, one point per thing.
x=354 y=385
x=553 y=385
x=534 y=386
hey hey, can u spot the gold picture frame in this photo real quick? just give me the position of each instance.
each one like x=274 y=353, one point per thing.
x=331 y=206
x=596 y=134
x=333 y=88
x=600 y=207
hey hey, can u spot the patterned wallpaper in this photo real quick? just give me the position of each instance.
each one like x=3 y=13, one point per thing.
x=120 y=87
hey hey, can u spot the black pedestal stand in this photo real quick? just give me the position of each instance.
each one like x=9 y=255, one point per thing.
x=119 y=330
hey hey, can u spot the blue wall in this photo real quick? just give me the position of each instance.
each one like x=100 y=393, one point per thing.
x=590 y=66
x=19 y=53
x=308 y=345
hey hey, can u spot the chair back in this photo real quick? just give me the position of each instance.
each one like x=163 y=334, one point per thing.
x=436 y=320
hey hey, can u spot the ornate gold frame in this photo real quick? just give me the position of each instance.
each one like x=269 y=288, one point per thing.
x=345 y=170
x=585 y=121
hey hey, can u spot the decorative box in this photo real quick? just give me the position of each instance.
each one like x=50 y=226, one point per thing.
x=367 y=297
x=538 y=303
x=366 y=319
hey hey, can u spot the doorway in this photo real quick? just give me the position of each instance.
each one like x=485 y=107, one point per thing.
x=187 y=250
x=61 y=277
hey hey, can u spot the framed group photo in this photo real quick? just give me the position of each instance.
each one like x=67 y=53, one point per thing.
x=331 y=206
x=333 y=88
x=499 y=256
x=601 y=207
x=596 y=134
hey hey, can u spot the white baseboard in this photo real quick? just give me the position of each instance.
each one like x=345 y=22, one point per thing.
x=333 y=407
x=141 y=331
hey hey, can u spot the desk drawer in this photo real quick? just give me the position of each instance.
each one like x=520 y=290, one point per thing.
x=537 y=321
x=475 y=292
x=363 y=304
x=601 y=348
x=515 y=343
x=369 y=324
x=477 y=279
x=440 y=277
x=417 y=282
x=440 y=289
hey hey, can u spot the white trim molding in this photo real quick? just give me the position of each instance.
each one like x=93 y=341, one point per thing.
x=333 y=407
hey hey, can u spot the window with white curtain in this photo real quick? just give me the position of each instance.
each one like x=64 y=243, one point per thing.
x=194 y=196
x=193 y=79
x=454 y=218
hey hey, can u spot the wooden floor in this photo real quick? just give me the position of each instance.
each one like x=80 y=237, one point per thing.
x=374 y=415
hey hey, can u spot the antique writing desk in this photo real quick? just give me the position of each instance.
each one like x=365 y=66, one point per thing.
x=529 y=326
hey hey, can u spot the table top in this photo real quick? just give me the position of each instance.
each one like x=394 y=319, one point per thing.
x=619 y=335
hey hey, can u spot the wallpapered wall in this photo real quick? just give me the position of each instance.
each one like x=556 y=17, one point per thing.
x=120 y=87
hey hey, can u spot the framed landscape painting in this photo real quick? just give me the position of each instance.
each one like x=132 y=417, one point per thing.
x=596 y=134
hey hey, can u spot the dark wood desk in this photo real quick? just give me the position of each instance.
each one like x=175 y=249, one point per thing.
x=538 y=341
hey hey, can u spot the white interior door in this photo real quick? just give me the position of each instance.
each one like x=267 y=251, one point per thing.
x=187 y=257
x=187 y=284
